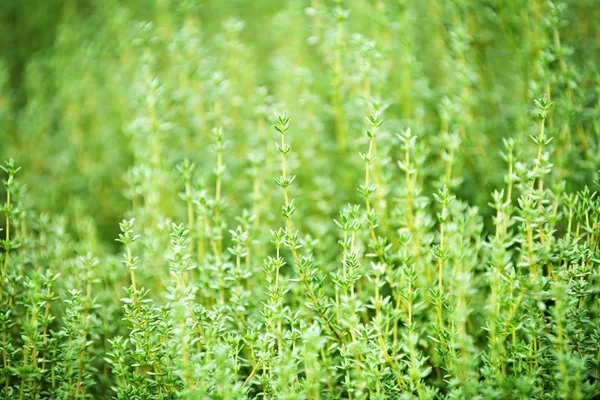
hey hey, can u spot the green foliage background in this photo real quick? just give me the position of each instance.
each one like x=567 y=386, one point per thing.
x=70 y=72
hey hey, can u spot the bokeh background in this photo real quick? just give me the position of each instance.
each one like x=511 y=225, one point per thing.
x=92 y=91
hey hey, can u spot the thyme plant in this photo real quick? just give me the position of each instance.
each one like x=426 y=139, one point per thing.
x=342 y=199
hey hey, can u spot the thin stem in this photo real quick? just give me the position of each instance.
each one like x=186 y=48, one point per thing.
x=7 y=239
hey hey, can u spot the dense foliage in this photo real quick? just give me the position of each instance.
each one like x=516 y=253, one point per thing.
x=357 y=199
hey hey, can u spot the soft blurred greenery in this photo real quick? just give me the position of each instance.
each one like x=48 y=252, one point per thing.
x=71 y=71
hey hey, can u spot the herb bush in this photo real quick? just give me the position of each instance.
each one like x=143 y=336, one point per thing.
x=326 y=199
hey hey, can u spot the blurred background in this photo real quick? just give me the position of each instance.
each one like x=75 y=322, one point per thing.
x=100 y=99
